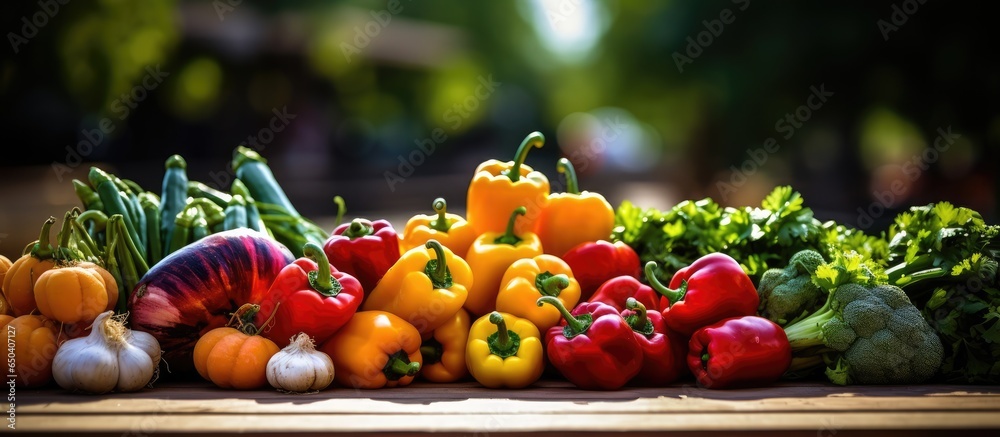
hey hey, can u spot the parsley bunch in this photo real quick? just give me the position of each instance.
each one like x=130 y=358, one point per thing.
x=758 y=237
x=945 y=258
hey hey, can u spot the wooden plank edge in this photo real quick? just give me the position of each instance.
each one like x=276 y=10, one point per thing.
x=823 y=424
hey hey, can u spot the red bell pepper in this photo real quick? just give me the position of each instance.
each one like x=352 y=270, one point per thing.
x=616 y=291
x=664 y=353
x=308 y=296
x=592 y=347
x=748 y=351
x=594 y=263
x=712 y=288
x=364 y=249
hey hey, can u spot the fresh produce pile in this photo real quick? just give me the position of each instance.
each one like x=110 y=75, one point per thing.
x=237 y=288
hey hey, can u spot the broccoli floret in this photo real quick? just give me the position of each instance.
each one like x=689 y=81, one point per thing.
x=787 y=295
x=871 y=331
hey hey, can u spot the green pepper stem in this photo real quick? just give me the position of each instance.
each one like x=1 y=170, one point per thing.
x=503 y=336
x=508 y=236
x=672 y=295
x=322 y=279
x=640 y=312
x=440 y=272
x=504 y=343
x=358 y=228
x=566 y=168
x=43 y=248
x=554 y=285
x=400 y=367
x=534 y=139
x=575 y=325
x=431 y=352
x=441 y=223
x=341 y=209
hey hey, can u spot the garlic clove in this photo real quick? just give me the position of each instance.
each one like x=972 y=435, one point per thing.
x=135 y=368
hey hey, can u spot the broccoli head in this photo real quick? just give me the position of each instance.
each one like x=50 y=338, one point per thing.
x=869 y=330
x=787 y=295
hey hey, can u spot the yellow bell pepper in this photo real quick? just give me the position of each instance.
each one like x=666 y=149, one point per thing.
x=498 y=187
x=451 y=230
x=490 y=256
x=501 y=356
x=573 y=217
x=444 y=350
x=530 y=278
x=425 y=287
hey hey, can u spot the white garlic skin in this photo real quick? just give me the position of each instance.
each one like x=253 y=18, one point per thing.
x=299 y=367
x=106 y=360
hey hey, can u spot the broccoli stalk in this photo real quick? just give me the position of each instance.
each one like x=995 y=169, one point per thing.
x=808 y=332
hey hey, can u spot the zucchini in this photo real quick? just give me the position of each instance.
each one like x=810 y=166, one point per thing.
x=173 y=196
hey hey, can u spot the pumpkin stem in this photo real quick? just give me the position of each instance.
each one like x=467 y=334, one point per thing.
x=42 y=249
x=267 y=322
x=242 y=318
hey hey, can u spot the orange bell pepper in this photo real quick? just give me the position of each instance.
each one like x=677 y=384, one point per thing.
x=573 y=217
x=375 y=349
x=498 y=187
x=451 y=230
x=490 y=256
x=444 y=350
x=530 y=278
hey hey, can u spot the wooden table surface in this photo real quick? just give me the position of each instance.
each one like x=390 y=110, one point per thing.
x=811 y=409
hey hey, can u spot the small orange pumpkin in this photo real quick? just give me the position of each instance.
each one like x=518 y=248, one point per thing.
x=19 y=282
x=235 y=358
x=4 y=266
x=71 y=294
x=109 y=282
x=35 y=346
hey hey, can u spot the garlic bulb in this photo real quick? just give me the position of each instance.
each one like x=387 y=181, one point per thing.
x=111 y=358
x=299 y=367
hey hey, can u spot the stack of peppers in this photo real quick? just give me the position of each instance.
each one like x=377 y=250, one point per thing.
x=530 y=280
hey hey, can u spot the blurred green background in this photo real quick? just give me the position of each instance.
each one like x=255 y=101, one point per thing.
x=655 y=102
